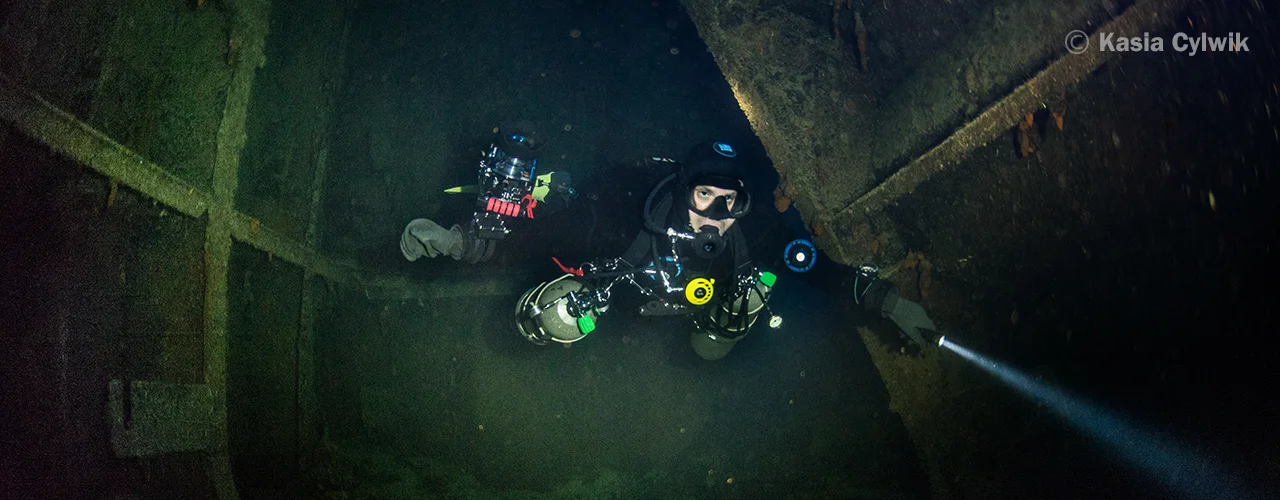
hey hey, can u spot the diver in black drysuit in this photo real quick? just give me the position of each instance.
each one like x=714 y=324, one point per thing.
x=703 y=199
x=649 y=248
x=707 y=196
x=690 y=259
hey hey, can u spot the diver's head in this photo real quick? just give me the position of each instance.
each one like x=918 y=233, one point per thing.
x=715 y=189
x=714 y=202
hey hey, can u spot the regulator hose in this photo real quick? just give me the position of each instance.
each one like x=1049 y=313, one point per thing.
x=649 y=223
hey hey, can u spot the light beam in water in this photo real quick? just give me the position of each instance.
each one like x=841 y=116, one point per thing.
x=1183 y=471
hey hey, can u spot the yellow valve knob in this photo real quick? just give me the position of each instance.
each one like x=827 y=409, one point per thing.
x=699 y=291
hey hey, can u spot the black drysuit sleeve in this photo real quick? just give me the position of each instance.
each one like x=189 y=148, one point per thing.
x=741 y=254
x=640 y=248
x=639 y=252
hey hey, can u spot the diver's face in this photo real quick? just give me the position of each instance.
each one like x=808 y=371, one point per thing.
x=703 y=197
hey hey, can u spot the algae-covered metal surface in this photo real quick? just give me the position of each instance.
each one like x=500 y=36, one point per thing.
x=1030 y=198
x=290 y=113
x=860 y=230
x=151 y=418
x=844 y=96
x=100 y=283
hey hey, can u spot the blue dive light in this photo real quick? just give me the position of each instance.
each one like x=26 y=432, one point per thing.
x=800 y=255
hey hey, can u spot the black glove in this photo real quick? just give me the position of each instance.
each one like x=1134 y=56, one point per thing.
x=868 y=289
x=879 y=296
x=476 y=248
x=910 y=317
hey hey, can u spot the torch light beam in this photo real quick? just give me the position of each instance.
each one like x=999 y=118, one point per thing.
x=1182 y=470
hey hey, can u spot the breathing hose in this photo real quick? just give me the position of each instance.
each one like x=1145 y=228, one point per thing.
x=648 y=204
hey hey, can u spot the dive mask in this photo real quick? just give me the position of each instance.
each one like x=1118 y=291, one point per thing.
x=720 y=207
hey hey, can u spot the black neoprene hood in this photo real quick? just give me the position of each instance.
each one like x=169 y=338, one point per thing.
x=713 y=164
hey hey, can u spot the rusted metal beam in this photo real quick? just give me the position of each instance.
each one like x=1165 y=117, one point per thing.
x=170 y=417
x=1051 y=83
x=67 y=135
x=151 y=418
x=249 y=22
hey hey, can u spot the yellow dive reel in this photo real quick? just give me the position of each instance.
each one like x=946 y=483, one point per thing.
x=699 y=291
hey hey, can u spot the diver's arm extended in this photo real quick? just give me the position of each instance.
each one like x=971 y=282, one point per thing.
x=423 y=237
x=878 y=295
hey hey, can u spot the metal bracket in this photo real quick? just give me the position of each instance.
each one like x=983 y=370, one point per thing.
x=150 y=418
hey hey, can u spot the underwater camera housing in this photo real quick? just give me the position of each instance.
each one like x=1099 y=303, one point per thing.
x=506 y=178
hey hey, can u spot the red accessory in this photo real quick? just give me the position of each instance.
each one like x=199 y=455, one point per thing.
x=522 y=209
x=571 y=270
x=529 y=203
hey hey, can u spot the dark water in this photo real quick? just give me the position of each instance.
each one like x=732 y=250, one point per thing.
x=429 y=82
